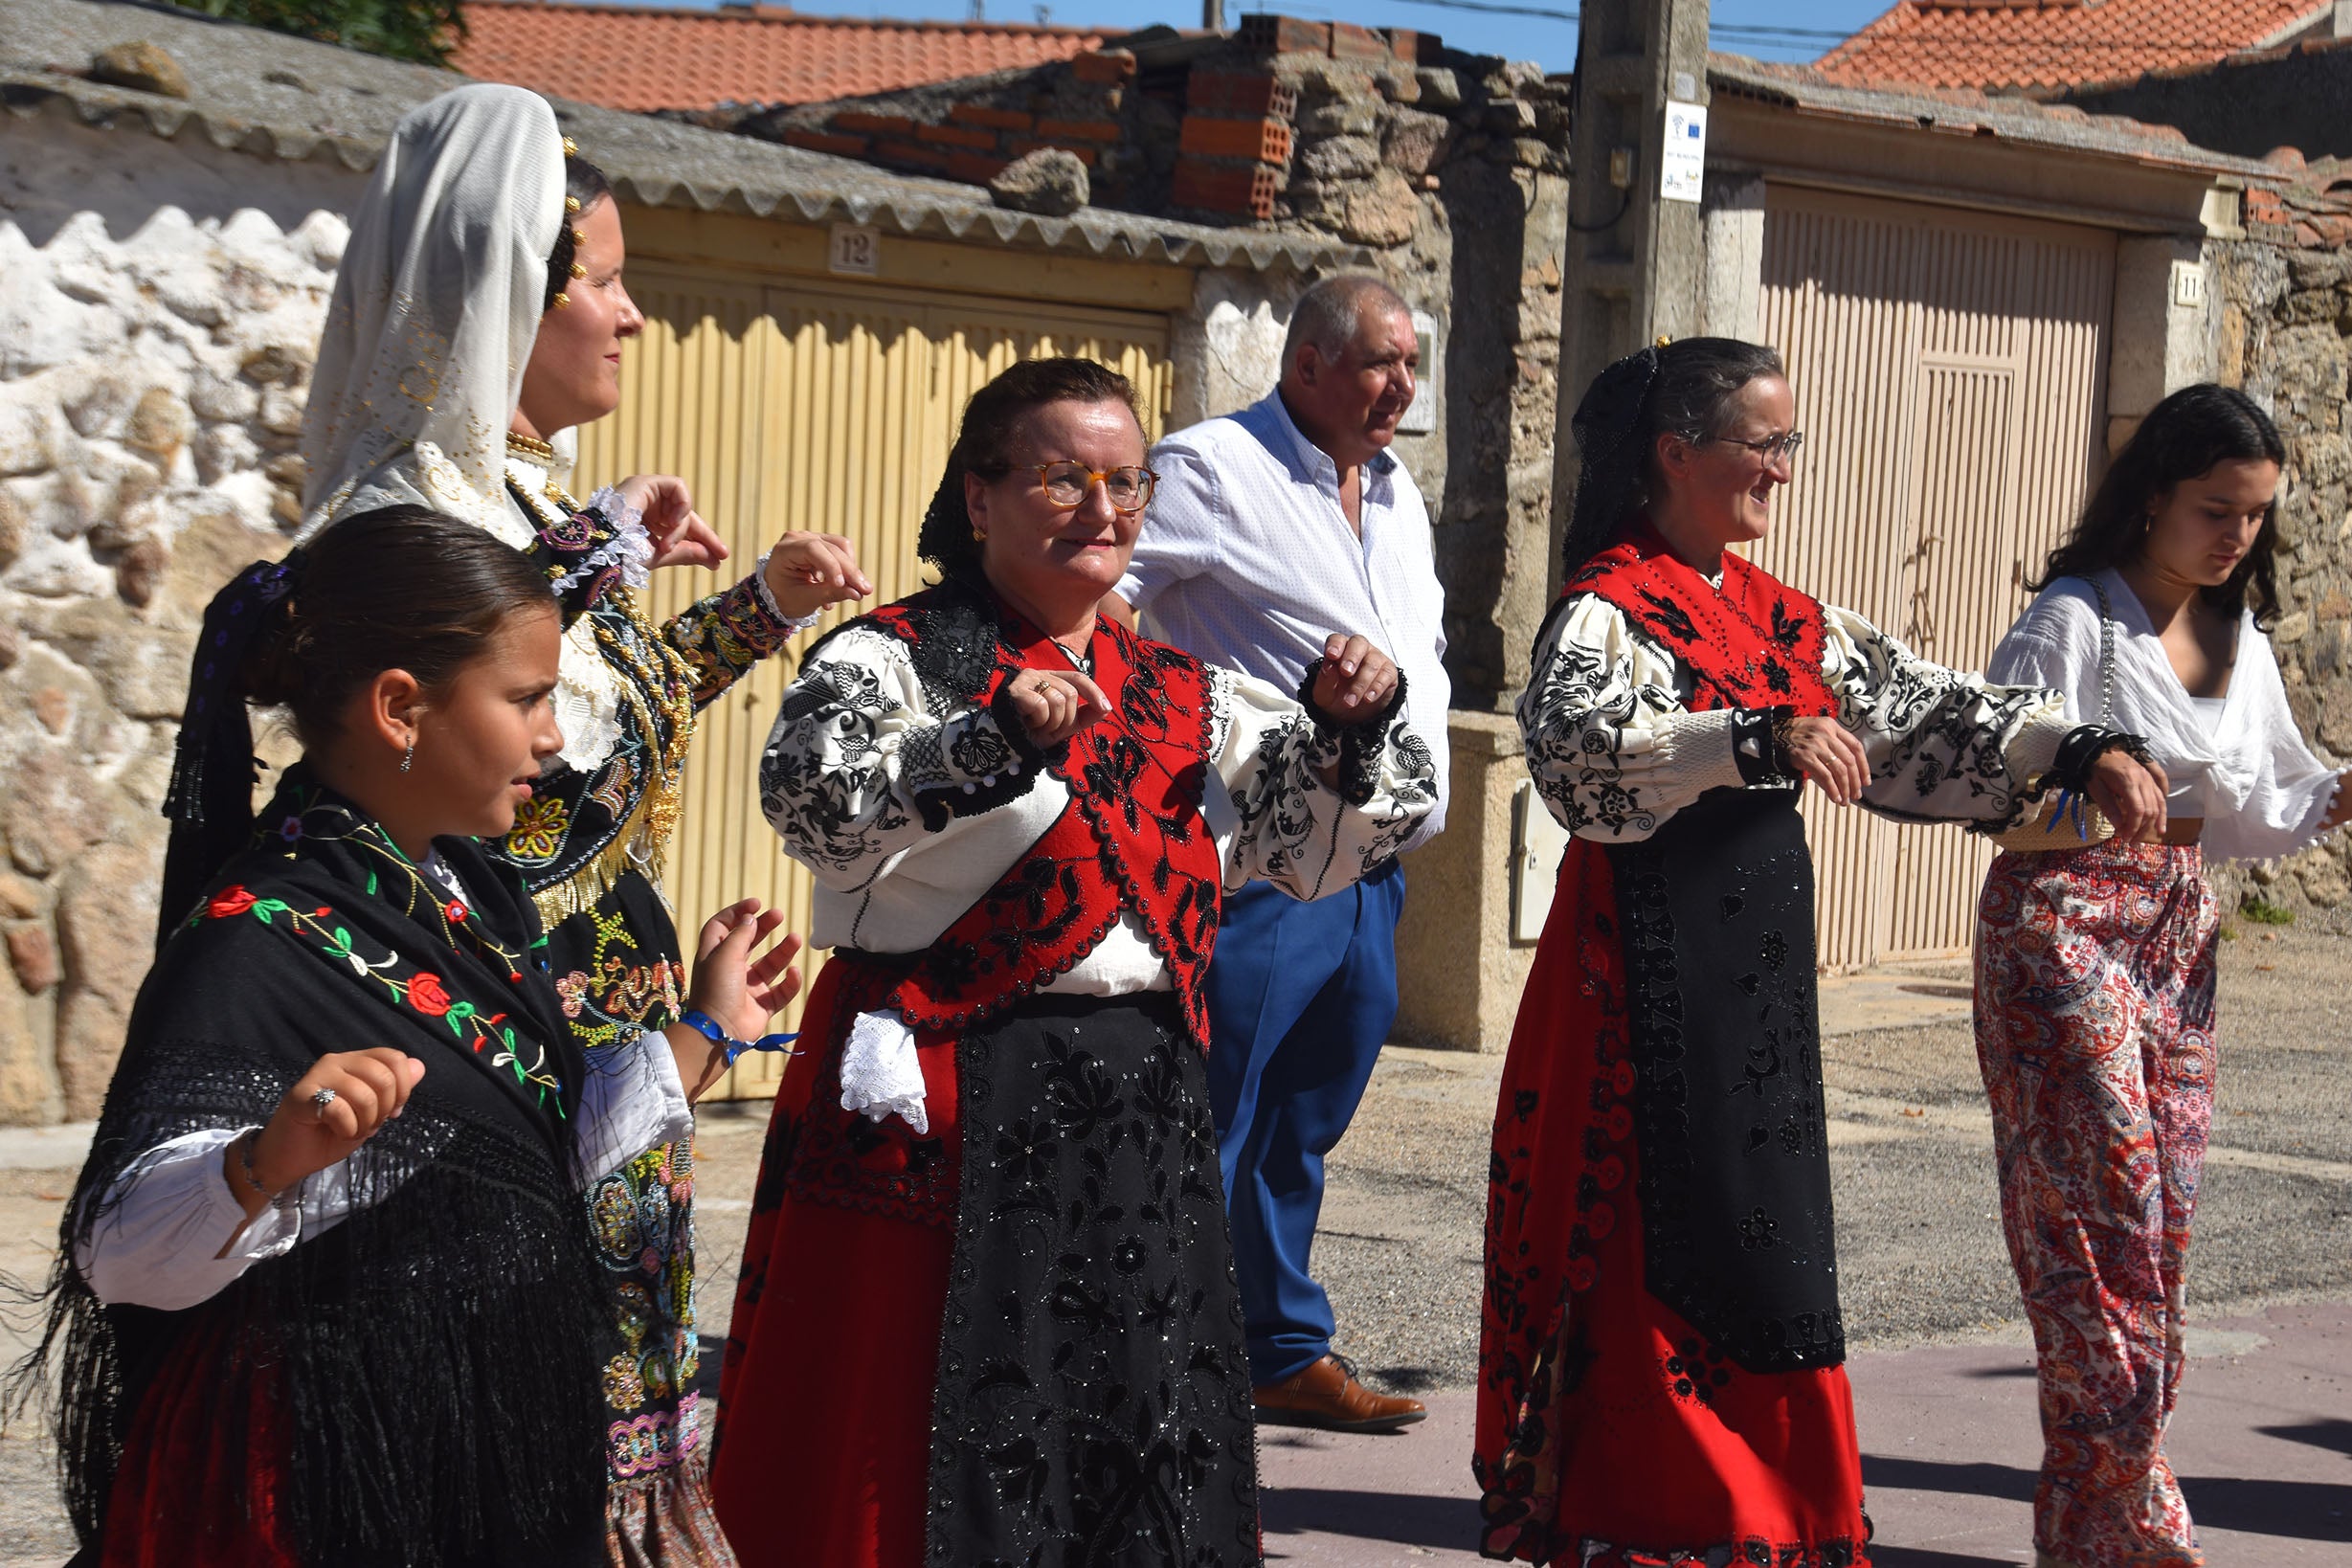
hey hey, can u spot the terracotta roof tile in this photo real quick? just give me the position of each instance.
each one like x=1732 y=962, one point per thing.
x=644 y=57
x=2047 y=44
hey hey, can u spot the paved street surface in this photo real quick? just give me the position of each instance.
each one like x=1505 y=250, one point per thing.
x=1941 y=1370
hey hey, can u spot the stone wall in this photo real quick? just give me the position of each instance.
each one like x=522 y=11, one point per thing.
x=2283 y=322
x=153 y=357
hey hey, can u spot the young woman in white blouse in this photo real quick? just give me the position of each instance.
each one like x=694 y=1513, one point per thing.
x=2094 y=958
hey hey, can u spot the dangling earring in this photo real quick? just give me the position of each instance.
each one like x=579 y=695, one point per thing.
x=408 y=756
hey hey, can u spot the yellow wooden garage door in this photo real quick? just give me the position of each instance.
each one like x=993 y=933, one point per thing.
x=1950 y=372
x=829 y=407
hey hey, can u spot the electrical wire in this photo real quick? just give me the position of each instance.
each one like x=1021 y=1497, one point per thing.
x=1767 y=33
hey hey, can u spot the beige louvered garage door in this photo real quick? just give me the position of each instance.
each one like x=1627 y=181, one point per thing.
x=1950 y=370
x=824 y=407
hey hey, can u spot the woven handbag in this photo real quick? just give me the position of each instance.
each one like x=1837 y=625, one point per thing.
x=2069 y=820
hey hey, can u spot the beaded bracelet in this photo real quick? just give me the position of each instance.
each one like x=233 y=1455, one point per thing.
x=701 y=1024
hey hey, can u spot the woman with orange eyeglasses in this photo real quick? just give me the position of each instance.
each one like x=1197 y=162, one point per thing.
x=987 y=1312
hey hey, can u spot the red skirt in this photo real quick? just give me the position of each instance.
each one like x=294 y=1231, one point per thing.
x=823 y=1451
x=185 y=1495
x=1609 y=1431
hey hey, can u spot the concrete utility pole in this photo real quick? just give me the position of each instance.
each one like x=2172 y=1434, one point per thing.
x=1635 y=253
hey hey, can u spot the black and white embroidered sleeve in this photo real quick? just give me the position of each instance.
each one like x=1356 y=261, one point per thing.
x=857 y=768
x=1613 y=751
x=1943 y=746
x=1295 y=803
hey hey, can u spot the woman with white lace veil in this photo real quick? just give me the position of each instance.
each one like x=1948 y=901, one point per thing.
x=479 y=315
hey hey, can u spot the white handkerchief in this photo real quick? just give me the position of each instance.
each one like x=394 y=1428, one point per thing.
x=879 y=1075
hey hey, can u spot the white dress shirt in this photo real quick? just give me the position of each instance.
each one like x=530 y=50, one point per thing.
x=1246 y=560
x=2250 y=776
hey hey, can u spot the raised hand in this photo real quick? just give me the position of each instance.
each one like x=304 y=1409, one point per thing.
x=680 y=536
x=806 y=572
x=1055 y=704
x=736 y=990
x=1356 y=680
x=362 y=1091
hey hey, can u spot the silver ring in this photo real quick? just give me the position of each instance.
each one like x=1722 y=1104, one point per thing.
x=320 y=1101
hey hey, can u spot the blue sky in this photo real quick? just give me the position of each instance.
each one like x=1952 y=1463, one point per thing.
x=1548 y=40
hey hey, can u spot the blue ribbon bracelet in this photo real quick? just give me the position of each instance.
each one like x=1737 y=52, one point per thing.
x=701 y=1023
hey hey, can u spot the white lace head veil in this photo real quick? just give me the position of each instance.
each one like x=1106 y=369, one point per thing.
x=435 y=311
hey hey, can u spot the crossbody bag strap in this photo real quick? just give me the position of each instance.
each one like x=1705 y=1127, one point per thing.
x=2107 y=653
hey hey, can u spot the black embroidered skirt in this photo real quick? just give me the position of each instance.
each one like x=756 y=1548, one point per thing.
x=1093 y=1404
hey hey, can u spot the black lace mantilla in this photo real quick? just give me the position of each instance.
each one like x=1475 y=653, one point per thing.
x=1717 y=910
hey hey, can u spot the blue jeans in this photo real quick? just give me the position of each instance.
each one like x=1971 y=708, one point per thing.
x=1301 y=996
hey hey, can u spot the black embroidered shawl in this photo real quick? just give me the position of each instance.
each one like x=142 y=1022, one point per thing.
x=433 y=1359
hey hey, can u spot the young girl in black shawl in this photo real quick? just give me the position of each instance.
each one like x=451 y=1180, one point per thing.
x=324 y=1296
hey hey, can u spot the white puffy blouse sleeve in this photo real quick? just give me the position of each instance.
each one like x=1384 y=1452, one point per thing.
x=2288 y=790
x=1613 y=751
x=859 y=767
x=1305 y=804
x=1943 y=746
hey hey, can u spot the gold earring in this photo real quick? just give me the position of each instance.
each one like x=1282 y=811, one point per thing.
x=579 y=236
x=562 y=301
x=979 y=537
x=571 y=148
x=571 y=204
x=578 y=271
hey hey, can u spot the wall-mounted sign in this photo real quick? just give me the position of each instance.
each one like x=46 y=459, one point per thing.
x=2188 y=284
x=857 y=249
x=1683 y=167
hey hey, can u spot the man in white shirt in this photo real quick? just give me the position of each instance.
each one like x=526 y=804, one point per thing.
x=1269 y=530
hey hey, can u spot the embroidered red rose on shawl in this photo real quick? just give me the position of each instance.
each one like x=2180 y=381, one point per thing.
x=426 y=996
x=229 y=901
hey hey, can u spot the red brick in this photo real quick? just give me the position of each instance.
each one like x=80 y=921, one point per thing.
x=975 y=168
x=1269 y=34
x=913 y=154
x=1023 y=145
x=958 y=136
x=980 y=114
x=817 y=141
x=1260 y=140
x=1102 y=67
x=1243 y=95
x=873 y=124
x=1349 y=42
x=1081 y=130
x=1246 y=190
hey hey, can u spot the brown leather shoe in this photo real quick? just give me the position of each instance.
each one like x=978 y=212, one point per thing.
x=1325 y=1395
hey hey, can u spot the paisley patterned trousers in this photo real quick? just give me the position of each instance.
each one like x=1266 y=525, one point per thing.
x=2094 y=974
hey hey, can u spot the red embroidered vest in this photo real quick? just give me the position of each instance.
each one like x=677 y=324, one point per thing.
x=1752 y=643
x=1133 y=837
